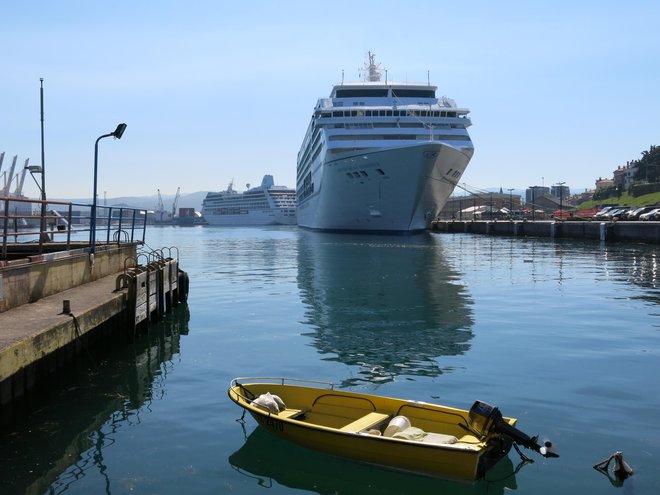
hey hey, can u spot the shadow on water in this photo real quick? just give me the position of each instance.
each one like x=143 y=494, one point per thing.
x=388 y=305
x=268 y=459
x=49 y=444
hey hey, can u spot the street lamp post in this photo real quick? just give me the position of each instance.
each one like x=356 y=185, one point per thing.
x=118 y=132
x=510 y=203
x=42 y=222
x=561 y=199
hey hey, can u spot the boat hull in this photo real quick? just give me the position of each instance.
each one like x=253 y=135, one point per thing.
x=319 y=427
x=252 y=218
x=400 y=189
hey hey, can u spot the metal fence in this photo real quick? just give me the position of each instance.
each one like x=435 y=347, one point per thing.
x=56 y=225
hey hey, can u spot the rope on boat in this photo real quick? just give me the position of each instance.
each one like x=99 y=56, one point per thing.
x=242 y=418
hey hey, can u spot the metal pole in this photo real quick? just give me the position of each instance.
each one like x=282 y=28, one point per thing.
x=42 y=222
x=92 y=221
x=510 y=203
x=43 y=153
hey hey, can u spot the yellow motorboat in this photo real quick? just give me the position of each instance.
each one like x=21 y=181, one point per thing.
x=403 y=434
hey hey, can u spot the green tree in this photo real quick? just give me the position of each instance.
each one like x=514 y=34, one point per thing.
x=648 y=167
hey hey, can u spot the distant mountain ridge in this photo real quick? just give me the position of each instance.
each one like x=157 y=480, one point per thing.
x=192 y=200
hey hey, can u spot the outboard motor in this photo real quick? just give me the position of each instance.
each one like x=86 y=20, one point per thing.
x=484 y=419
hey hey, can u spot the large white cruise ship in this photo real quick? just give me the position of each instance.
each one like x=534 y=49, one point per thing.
x=267 y=204
x=380 y=156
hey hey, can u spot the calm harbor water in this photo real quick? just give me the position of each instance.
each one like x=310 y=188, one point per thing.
x=563 y=335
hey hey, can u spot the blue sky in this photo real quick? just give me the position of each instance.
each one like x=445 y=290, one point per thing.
x=558 y=91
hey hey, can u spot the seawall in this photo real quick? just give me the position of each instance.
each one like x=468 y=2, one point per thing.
x=602 y=231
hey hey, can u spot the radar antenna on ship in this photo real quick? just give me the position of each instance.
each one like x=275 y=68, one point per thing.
x=372 y=69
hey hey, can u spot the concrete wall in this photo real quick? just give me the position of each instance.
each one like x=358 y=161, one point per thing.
x=636 y=231
x=27 y=280
x=603 y=231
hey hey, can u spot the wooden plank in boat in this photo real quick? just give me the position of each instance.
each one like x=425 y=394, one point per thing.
x=289 y=413
x=365 y=422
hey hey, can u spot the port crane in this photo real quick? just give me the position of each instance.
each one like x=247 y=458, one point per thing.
x=162 y=215
x=176 y=201
x=160 y=209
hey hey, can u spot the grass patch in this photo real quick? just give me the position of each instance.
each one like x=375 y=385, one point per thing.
x=623 y=200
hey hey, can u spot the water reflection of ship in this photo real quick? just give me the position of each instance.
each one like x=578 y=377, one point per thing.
x=389 y=305
x=52 y=447
x=268 y=459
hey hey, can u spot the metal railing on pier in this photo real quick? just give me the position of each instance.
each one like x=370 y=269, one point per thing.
x=63 y=226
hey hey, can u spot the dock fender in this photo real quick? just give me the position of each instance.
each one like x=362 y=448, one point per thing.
x=184 y=282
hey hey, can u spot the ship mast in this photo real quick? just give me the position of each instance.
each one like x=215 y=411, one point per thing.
x=372 y=69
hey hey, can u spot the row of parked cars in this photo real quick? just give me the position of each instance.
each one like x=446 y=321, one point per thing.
x=628 y=213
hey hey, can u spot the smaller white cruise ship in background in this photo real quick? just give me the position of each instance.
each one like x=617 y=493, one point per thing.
x=380 y=156
x=267 y=204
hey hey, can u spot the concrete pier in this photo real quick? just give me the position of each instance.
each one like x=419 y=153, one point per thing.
x=52 y=304
x=602 y=231
x=32 y=334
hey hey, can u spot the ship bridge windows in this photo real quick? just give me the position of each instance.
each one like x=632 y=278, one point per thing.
x=399 y=136
x=358 y=93
x=413 y=93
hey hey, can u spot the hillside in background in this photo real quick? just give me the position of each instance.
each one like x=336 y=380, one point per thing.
x=624 y=200
x=192 y=200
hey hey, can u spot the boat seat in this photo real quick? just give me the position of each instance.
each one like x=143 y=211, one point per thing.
x=289 y=413
x=365 y=422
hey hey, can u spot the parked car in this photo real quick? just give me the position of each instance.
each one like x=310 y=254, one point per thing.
x=603 y=212
x=632 y=212
x=651 y=215
x=619 y=214
x=609 y=214
x=635 y=213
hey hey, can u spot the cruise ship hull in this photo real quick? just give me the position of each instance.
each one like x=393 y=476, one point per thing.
x=398 y=189
x=252 y=218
